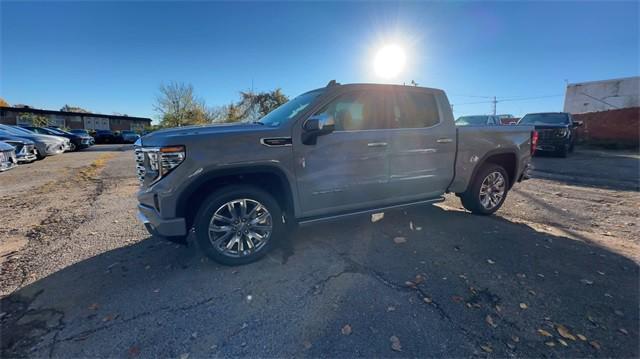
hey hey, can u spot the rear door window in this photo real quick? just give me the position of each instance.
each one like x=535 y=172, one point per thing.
x=413 y=109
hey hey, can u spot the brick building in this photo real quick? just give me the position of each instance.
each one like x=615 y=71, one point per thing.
x=72 y=120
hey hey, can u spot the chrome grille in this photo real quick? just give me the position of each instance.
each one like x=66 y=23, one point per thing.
x=8 y=156
x=140 y=170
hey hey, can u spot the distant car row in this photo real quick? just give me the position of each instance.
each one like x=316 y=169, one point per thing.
x=556 y=131
x=24 y=144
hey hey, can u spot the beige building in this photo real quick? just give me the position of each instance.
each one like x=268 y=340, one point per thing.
x=72 y=120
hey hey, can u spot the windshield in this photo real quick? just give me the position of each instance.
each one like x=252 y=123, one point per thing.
x=82 y=132
x=290 y=109
x=545 y=119
x=472 y=120
x=55 y=131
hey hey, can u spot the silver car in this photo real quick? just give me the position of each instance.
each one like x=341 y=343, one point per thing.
x=7 y=157
x=45 y=145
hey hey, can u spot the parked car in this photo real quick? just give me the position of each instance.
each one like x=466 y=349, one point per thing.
x=105 y=136
x=77 y=142
x=7 y=157
x=556 y=131
x=84 y=133
x=45 y=145
x=129 y=136
x=332 y=152
x=479 y=120
x=25 y=149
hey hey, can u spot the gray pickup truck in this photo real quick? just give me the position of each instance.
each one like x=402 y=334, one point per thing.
x=332 y=152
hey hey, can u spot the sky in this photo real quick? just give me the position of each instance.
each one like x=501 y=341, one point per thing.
x=111 y=57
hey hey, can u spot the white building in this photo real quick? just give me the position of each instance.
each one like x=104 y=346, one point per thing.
x=602 y=95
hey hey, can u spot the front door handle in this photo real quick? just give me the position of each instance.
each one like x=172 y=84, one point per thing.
x=444 y=140
x=377 y=144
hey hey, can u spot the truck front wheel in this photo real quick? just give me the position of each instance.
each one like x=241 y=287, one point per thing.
x=487 y=192
x=238 y=224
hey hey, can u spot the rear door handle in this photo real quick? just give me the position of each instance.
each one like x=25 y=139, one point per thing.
x=377 y=144
x=444 y=140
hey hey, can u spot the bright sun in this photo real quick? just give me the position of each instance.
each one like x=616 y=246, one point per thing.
x=389 y=61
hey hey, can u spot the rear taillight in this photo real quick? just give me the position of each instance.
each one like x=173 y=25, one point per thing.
x=534 y=141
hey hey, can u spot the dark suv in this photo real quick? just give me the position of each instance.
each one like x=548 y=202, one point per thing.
x=556 y=131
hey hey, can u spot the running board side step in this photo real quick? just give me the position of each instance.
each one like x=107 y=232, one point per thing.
x=314 y=220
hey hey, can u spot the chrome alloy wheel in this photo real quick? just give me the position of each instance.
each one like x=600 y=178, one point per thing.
x=240 y=227
x=492 y=190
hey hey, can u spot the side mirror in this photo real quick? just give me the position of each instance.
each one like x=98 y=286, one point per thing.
x=315 y=126
x=578 y=123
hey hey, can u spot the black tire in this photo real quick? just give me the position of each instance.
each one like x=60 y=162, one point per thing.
x=471 y=198
x=571 y=148
x=217 y=199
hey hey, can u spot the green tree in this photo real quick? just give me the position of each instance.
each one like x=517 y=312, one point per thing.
x=33 y=119
x=255 y=105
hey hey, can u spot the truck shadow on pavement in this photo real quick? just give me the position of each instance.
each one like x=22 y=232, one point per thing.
x=420 y=282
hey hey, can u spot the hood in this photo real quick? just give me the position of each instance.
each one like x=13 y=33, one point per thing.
x=22 y=140
x=5 y=146
x=43 y=138
x=178 y=132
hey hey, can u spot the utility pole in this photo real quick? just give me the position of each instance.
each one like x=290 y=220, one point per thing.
x=495 y=103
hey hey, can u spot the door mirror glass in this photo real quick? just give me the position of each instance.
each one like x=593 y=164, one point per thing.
x=577 y=123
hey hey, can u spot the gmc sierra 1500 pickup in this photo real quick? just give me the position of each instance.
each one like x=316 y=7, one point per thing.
x=332 y=152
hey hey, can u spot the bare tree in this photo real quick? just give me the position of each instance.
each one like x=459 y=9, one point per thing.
x=178 y=106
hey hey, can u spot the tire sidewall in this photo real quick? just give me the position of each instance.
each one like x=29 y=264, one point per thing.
x=474 y=195
x=217 y=199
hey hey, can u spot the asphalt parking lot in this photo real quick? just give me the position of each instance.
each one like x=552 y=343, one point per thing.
x=554 y=274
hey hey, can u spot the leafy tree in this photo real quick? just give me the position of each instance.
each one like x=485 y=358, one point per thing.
x=178 y=106
x=33 y=119
x=68 y=108
x=257 y=105
x=3 y=103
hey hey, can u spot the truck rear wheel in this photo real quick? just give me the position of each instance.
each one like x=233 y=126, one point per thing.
x=488 y=191
x=238 y=224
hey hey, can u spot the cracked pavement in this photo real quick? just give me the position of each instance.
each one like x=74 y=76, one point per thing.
x=461 y=286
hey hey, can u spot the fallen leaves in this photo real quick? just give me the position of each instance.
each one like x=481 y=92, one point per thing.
x=490 y=321
x=581 y=337
x=395 y=343
x=564 y=332
x=491 y=261
x=307 y=344
x=93 y=306
x=595 y=344
x=427 y=300
x=544 y=333
x=623 y=331
x=586 y=281
x=377 y=217
x=133 y=351
x=346 y=330
x=399 y=240
x=487 y=348
x=524 y=306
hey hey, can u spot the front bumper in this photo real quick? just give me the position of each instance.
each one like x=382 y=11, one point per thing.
x=55 y=149
x=159 y=226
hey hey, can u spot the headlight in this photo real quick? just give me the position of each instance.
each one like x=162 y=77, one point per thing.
x=164 y=159
x=562 y=132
